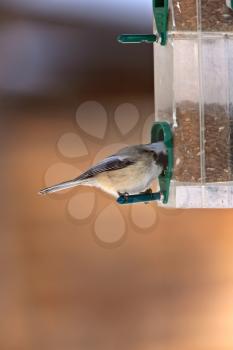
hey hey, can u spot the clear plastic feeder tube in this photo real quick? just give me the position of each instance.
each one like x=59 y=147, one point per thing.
x=194 y=93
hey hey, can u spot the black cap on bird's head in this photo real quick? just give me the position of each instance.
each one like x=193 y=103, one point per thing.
x=159 y=153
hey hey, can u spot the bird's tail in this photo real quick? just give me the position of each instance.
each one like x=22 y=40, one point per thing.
x=61 y=186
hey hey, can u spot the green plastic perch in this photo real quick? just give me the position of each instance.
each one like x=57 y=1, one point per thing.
x=160 y=10
x=136 y=38
x=161 y=131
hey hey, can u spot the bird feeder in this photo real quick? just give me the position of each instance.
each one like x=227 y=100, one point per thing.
x=193 y=60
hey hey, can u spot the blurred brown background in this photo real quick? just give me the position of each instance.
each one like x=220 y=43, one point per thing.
x=167 y=287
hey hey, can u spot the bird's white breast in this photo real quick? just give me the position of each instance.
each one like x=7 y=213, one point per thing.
x=132 y=179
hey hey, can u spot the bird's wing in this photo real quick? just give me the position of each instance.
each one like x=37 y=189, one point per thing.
x=114 y=162
x=155 y=147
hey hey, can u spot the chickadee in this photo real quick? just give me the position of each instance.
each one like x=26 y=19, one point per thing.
x=130 y=171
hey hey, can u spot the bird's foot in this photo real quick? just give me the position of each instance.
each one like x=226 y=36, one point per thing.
x=148 y=191
x=125 y=195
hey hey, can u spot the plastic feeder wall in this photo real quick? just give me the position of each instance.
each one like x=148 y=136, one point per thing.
x=194 y=93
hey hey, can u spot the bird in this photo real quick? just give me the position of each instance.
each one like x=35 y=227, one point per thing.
x=129 y=171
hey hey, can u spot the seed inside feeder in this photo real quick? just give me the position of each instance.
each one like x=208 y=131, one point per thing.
x=211 y=15
x=217 y=144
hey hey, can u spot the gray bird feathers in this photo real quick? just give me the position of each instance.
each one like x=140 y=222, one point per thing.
x=131 y=170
